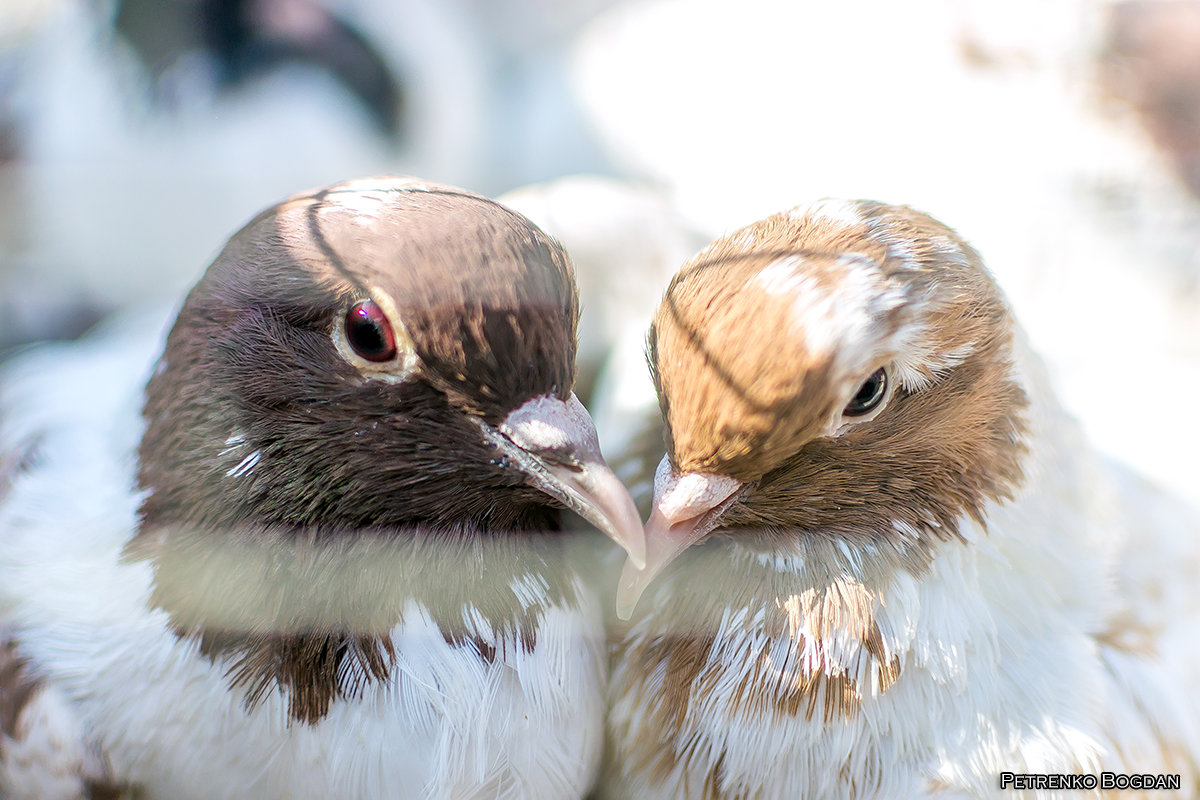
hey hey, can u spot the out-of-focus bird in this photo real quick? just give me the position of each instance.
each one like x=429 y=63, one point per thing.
x=326 y=559
x=1151 y=60
x=912 y=572
x=243 y=39
x=626 y=240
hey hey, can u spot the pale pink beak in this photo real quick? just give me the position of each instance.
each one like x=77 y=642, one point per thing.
x=686 y=507
x=554 y=442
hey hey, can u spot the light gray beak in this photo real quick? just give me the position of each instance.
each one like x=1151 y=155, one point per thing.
x=686 y=508
x=554 y=442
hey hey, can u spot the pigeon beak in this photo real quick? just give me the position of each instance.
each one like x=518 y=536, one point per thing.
x=686 y=507
x=554 y=442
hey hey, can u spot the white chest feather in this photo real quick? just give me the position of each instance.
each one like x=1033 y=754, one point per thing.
x=919 y=687
x=445 y=724
x=1060 y=640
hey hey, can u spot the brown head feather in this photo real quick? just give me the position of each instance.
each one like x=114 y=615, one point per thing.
x=486 y=298
x=764 y=337
x=265 y=438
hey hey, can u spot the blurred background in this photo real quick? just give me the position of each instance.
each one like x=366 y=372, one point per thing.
x=1061 y=137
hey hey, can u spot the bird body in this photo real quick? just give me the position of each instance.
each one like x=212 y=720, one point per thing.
x=112 y=674
x=218 y=599
x=912 y=574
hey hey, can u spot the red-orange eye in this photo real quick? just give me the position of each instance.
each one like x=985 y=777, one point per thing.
x=369 y=332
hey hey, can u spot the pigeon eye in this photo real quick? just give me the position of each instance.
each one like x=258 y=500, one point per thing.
x=369 y=332
x=869 y=395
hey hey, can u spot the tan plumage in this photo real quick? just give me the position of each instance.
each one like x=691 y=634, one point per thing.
x=907 y=583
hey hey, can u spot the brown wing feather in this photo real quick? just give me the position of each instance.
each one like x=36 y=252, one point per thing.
x=32 y=761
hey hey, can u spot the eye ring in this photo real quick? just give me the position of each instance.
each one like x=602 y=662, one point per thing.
x=369 y=333
x=869 y=396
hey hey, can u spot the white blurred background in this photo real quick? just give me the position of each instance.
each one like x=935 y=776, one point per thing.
x=1062 y=137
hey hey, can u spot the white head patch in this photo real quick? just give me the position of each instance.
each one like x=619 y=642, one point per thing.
x=835 y=311
x=839 y=212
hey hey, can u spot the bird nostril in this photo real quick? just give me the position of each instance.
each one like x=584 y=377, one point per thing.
x=564 y=457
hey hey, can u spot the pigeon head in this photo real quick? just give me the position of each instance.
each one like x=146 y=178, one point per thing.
x=843 y=368
x=380 y=353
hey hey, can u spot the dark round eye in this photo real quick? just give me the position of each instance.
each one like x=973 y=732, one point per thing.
x=869 y=395
x=369 y=332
